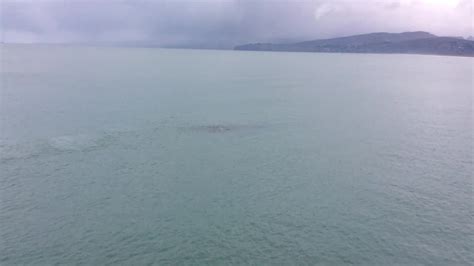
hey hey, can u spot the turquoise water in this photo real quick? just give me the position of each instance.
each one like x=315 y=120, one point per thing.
x=190 y=157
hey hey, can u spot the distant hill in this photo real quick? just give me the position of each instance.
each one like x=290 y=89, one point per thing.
x=418 y=42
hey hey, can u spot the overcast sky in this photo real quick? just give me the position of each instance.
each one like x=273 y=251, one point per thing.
x=224 y=22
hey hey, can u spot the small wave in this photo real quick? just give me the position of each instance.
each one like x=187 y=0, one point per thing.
x=17 y=151
x=54 y=145
x=74 y=142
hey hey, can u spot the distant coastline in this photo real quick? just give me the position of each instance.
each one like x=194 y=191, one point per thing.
x=418 y=42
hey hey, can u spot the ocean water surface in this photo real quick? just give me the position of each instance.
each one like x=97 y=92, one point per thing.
x=193 y=157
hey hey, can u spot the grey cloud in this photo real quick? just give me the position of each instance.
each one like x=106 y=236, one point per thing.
x=222 y=23
x=393 y=5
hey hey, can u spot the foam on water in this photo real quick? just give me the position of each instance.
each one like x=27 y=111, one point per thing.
x=77 y=142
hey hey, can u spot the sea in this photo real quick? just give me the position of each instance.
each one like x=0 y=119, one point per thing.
x=148 y=156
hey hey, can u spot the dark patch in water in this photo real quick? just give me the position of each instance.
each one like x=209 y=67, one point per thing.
x=221 y=128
